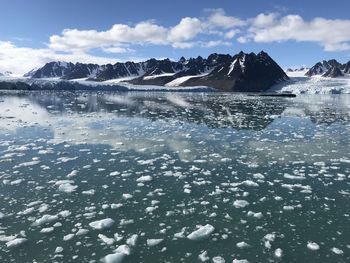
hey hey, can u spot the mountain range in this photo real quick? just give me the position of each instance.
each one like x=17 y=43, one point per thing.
x=243 y=72
x=331 y=68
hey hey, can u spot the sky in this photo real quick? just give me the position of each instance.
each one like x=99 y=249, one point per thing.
x=294 y=33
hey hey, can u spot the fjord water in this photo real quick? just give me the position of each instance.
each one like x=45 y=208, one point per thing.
x=270 y=175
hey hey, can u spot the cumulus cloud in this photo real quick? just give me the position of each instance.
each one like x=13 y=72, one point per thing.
x=332 y=34
x=181 y=35
x=218 y=18
x=22 y=59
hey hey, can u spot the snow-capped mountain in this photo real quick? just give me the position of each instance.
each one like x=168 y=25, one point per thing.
x=330 y=68
x=6 y=74
x=241 y=72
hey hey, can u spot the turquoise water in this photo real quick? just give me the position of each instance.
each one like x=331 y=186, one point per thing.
x=268 y=177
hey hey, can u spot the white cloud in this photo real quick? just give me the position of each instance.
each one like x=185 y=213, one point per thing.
x=82 y=40
x=186 y=30
x=22 y=59
x=180 y=35
x=218 y=18
x=230 y=34
x=332 y=34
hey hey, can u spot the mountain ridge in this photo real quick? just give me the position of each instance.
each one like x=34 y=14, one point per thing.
x=331 y=68
x=241 y=72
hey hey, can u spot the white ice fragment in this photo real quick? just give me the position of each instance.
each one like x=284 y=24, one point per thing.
x=67 y=188
x=88 y=192
x=218 y=259
x=313 y=245
x=45 y=219
x=58 y=250
x=145 y=178
x=127 y=196
x=16 y=242
x=82 y=232
x=337 y=251
x=278 y=253
x=68 y=237
x=201 y=233
x=47 y=230
x=131 y=241
x=2 y=215
x=72 y=173
x=114 y=258
x=116 y=206
x=102 y=224
x=107 y=240
x=154 y=242
x=203 y=256
x=240 y=203
x=242 y=244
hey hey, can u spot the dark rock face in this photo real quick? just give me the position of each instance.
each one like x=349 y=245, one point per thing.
x=347 y=68
x=53 y=69
x=320 y=68
x=330 y=68
x=333 y=72
x=242 y=72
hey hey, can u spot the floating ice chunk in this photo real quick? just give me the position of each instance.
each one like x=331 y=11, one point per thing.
x=116 y=206
x=82 y=232
x=218 y=259
x=127 y=196
x=72 y=173
x=293 y=177
x=26 y=164
x=67 y=159
x=240 y=261
x=16 y=242
x=2 y=215
x=150 y=209
x=154 y=242
x=58 y=250
x=102 y=224
x=64 y=213
x=201 y=233
x=27 y=211
x=131 y=241
x=114 y=258
x=67 y=187
x=240 y=203
x=250 y=183
x=89 y=192
x=124 y=249
x=268 y=239
x=68 y=237
x=107 y=240
x=288 y=207
x=337 y=251
x=45 y=219
x=313 y=245
x=258 y=215
x=145 y=178
x=278 y=253
x=7 y=238
x=242 y=244
x=203 y=256
x=47 y=230
x=16 y=182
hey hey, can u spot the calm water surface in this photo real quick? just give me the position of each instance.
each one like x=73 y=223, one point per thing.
x=263 y=179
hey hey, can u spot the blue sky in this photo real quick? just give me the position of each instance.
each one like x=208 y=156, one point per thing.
x=293 y=32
